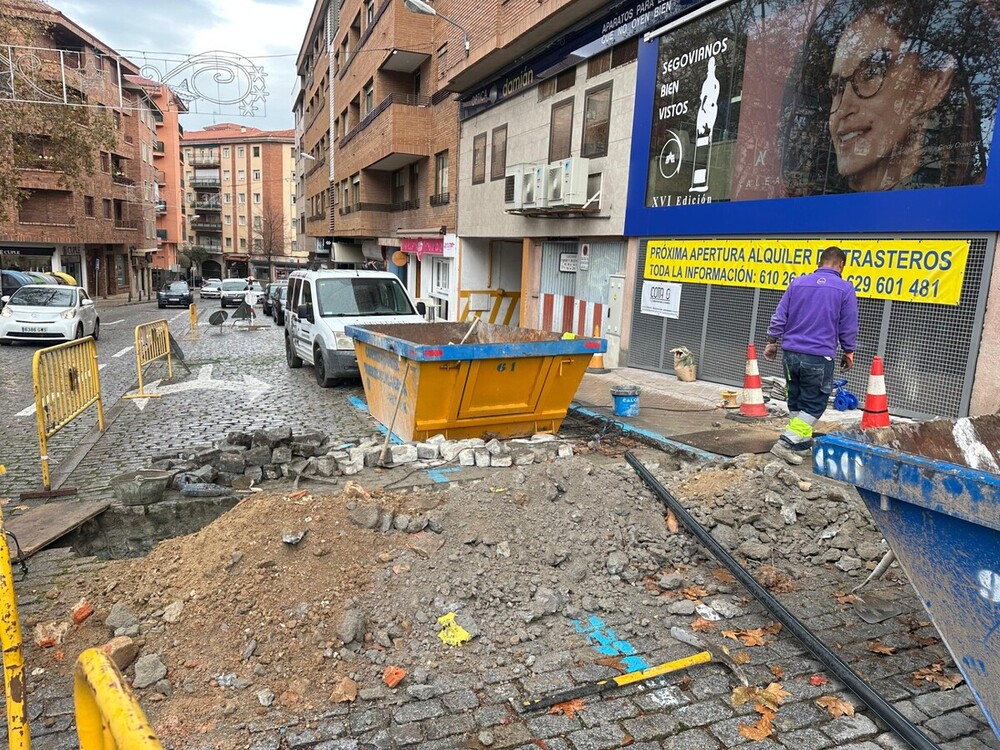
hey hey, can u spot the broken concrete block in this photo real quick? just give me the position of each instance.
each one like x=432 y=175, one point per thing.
x=427 y=451
x=259 y=456
x=482 y=457
x=502 y=461
x=466 y=457
x=402 y=454
x=232 y=463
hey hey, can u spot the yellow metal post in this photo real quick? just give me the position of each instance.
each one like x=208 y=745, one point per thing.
x=193 y=329
x=40 y=407
x=18 y=736
x=107 y=714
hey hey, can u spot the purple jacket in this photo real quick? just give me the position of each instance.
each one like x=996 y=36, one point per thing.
x=817 y=311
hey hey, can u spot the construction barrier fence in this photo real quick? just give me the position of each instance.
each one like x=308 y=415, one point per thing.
x=18 y=736
x=152 y=342
x=107 y=714
x=67 y=382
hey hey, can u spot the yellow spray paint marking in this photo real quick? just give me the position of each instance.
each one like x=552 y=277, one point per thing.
x=451 y=632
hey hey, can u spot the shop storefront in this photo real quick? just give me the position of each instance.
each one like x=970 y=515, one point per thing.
x=763 y=135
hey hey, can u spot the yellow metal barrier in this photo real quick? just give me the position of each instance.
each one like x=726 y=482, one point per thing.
x=152 y=342
x=497 y=299
x=108 y=716
x=18 y=736
x=193 y=329
x=67 y=382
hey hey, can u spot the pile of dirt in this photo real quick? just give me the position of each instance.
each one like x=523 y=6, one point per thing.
x=267 y=610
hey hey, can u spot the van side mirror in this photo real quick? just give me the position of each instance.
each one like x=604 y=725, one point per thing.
x=305 y=311
x=422 y=308
x=87 y=303
x=5 y=299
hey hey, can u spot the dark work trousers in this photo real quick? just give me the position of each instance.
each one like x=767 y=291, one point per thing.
x=809 y=379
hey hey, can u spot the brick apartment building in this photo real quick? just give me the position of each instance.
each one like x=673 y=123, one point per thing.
x=241 y=203
x=101 y=231
x=168 y=161
x=392 y=138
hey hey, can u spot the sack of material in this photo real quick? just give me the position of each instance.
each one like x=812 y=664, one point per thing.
x=684 y=365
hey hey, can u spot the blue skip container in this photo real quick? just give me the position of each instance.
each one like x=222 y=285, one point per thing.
x=626 y=398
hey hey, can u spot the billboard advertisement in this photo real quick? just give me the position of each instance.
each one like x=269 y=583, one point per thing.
x=763 y=100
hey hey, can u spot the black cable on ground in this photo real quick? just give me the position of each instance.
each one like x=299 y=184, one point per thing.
x=903 y=727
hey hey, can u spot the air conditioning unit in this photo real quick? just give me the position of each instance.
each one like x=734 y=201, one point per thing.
x=568 y=181
x=513 y=186
x=536 y=187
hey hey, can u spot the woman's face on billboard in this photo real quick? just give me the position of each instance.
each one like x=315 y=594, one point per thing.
x=880 y=95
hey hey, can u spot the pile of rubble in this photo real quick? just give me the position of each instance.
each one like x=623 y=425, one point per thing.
x=245 y=459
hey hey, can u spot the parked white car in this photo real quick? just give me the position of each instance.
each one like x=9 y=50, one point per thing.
x=48 y=312
x=320 y=304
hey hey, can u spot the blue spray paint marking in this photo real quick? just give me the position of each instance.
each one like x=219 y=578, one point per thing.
x=605 y=642
x=360 y=405
x=438 y=475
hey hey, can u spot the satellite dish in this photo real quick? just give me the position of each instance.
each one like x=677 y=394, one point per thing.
x=218 y=318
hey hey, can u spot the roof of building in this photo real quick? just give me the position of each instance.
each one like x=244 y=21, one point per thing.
x=229 y=132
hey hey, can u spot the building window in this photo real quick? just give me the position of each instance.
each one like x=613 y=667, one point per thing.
x=596 y=122
x=256 y=152
x=479 y=159
x=256 y=175
x=561 y=130
x=369 y=12
x=368 y=96
x=356 y=190
x=256 y=198
x=226 y=175
x=225 y=152
x=243 y=243
x=105 y=161
x=241 y=153
x=440 y=286
x=243 y=221
x=120 y=271
x=398 y=188
x=229 y=220
x=241 y=175
x=624 y=53
x=599 y=64
x=442 y=60
x=88 y=205
x=258 y=222
x=498 y=156
x=553 y=86
x=227 y=198
x=241 y=198
x=441 y=173
x=229 y=242
x=107 y=208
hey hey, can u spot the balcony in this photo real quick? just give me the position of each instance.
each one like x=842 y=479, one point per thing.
x=158 y=147
x=206 y=206
x=120 y=178
x=130 y=224
x=204 y=160
x=206 y=226
x=392 y=135
x=441 y=199
x=206 y=182
x=410 y=205
x=208 y=244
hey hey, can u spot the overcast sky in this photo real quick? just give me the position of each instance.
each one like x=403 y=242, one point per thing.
x=254 y=29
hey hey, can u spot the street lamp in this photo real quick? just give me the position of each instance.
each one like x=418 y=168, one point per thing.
x=419 y=6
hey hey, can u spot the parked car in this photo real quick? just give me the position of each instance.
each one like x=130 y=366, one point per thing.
x=234 y=290
x=11 y=281
x=321 y=304
x=48 y=312
x=176 y=293
x=270 y=293
x=278 y=306
x=211 y=289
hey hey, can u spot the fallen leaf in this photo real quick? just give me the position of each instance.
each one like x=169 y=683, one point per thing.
x=773 y=629
x=541 y=744
x=773 y=696
x=778 y=671
x=835 y=706
x=766 y=700
x=743 y=694
x=615 y=662
x=774 y=580
x=877 y=647
x=685 y=683
x=843 y=597
x=760 y=730
x=753 y=637
x=672 y=526
x=723 y=576
x=693 y=593
x=742 y=657
x=935 y=674
x=344 y=691
x=702 y=624
x=627 y=740
x=924 y=641
x=818 y=680
x=569 y=708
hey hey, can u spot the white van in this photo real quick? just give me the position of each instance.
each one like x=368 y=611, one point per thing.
x=321 y=304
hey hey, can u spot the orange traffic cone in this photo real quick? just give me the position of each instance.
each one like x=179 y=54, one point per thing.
x=876 y=402
x=597 y=361
x=753 y=394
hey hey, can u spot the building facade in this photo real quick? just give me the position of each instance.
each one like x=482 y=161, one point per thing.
x=101 y=229
x=241 y=202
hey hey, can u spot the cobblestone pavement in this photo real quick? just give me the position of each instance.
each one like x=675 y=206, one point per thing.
x=454 y=704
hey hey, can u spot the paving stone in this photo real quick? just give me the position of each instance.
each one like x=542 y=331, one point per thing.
x=798 y=715
x=966 y=743
x=448 y=726
x=460 y=700
x=693 y=739
x=658 y=698
x=509 y=735
x=942 y=701
x=549 y=725
x=407 y=734
x=652 y=727
x=601 y=738
x=891 y=741
x=699 y=714
x=952 y=725
x=490 y=716
x=365 y=721
x=418 y=711
x=804 y=739
x=608 y=711
x=849 y=728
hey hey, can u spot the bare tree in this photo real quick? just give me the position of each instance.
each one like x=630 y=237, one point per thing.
x=270 y=236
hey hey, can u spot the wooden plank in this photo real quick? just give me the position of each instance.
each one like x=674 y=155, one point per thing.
x=41 y=526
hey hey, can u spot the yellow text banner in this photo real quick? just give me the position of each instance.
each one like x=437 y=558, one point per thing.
x=929 y=271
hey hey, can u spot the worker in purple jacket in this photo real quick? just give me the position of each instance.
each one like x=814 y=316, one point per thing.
x=817 y=312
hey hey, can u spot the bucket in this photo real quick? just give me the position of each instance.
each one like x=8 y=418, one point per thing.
x=626 y=399
x=141 y=487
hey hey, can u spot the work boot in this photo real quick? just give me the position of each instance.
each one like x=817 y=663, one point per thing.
x=786 y=454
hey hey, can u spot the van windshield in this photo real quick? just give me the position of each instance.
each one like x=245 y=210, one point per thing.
x=340 y=298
